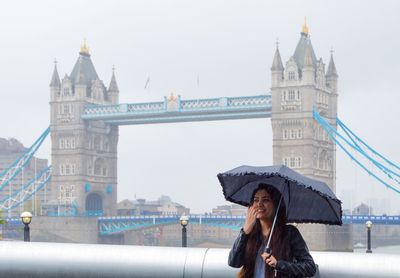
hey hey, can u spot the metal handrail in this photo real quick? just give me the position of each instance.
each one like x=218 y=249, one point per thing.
x=36 y=259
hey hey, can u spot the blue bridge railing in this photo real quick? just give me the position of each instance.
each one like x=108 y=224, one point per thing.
x=173 y=109
x=120 y=224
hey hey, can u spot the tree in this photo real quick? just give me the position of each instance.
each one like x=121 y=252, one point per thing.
x=2 y=222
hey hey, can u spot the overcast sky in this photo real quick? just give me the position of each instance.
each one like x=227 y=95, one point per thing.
x=228 y=46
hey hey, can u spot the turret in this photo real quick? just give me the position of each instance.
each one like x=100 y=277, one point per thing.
x=332 y=76
x=55 y=84
x=276 y=69
x=113 y=91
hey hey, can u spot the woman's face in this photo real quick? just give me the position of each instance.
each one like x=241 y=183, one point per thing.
x=263 y=205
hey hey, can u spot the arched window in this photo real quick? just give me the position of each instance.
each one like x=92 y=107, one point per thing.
x=97 y=143
x=66 y=91
x=299 y=133
x=322 y=160
x=94 y=203
x=285 y=134
x=292 y=95
x=100 y=168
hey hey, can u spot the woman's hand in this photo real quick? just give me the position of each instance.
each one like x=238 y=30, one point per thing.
x=269 y=259
x=250 y=220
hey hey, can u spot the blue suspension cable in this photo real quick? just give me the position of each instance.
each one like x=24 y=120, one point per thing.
x=28 y=153
x=382 y=167
x=365 y=144
x=329 y=130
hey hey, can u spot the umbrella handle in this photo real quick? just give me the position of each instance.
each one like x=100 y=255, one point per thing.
x=268 y=250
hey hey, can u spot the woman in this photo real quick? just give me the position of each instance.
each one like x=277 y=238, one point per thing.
x=289 y=256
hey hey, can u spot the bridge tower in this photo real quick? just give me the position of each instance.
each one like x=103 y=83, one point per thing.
x=299 y=142
x=83 y=153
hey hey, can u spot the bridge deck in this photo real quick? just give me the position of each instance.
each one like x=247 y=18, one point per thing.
x=173 y=109
x=120 y=224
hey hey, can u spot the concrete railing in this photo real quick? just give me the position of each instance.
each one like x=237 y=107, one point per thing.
x=33 y=259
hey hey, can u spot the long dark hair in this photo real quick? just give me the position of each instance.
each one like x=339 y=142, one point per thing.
x=279 y=245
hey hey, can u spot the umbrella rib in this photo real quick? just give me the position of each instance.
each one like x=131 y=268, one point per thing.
x=288 y=189
x=334 y=211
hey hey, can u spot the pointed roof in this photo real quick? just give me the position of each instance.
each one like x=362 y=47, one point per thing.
x=301 y=48
x=308 y=58
x=83 y=71
x=277 y=62
x=113 y=83
x=331 y=68
x=55 y=79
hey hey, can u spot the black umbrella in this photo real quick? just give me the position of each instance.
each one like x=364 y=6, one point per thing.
x=306 y=200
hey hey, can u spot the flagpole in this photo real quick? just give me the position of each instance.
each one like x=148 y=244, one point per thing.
x=147 y=85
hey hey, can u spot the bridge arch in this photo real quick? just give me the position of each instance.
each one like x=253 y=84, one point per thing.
x=93 y=203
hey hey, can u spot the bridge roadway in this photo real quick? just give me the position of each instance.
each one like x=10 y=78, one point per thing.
x=120 y=224
x=173 y=109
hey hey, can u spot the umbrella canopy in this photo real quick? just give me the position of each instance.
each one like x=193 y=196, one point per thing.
x=306 y=200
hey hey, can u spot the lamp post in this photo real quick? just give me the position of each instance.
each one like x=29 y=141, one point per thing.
x=184 y=222
x=369 y=226
x=26 y=218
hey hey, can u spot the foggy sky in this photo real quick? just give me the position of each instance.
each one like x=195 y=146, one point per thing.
x=228 y=46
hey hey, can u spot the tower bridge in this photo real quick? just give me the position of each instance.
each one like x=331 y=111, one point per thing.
x=85 y=115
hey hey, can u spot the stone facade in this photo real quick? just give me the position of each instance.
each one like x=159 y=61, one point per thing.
x=299 y=142
x=84 y=154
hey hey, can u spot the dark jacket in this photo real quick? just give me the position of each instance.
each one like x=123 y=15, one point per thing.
x=301 y=263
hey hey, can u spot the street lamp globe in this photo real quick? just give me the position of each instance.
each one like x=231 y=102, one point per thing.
x=184 y=220
x=368 y=224
x=26 y=217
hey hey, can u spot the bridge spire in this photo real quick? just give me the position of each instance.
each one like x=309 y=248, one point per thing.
x=113 y=90
x=331 y=67
x=84 y=49
x=55 y=79
x=277 y=62
x=113 y=87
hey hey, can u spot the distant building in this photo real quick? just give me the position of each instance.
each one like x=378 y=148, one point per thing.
x=163 y=206
x=346 y=212
x=231 y=210
x=126 y=207
x=10 y=151
x=362 y=209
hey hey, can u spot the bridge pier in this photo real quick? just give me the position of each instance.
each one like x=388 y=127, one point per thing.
x=64 y=229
